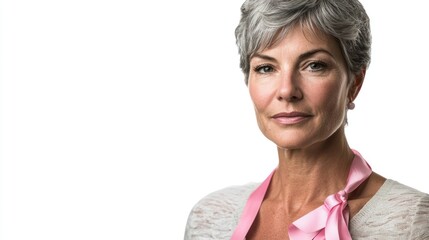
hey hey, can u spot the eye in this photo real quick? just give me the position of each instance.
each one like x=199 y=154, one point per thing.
x=317 y=66
x=262 y=69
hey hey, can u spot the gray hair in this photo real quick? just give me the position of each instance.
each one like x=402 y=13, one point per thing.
x=264 y=23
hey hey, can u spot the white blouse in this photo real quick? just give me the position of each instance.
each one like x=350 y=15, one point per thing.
x=396 y=211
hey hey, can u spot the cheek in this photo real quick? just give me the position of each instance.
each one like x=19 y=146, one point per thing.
x=261 y=96
x=332 y=93
x=261 y=101
x=331 y=102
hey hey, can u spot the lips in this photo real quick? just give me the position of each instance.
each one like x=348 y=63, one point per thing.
x=287 y=118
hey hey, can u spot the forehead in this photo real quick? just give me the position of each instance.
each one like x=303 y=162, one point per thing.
x=298 y=39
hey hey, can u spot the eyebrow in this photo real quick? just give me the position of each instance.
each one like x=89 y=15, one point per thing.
x=300 y=58
x=263 y=56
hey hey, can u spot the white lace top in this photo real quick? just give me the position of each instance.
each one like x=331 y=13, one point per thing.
x=396 y=211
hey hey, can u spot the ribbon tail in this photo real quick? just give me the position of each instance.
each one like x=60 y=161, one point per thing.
x=337 y=223
x=296 y=234
x=310 y=225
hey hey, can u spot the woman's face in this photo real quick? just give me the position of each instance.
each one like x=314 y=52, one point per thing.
x=299 y=89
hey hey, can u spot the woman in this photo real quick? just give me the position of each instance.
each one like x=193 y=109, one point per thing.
x=304 y=62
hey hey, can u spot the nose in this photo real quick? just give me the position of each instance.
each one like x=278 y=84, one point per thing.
x=289 y=89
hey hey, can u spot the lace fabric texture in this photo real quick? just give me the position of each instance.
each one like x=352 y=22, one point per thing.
x=395 y=212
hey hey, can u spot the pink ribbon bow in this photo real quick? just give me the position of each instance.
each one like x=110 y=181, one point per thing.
x=329 y=221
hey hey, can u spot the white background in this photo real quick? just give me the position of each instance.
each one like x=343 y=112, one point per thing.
x=118 y=116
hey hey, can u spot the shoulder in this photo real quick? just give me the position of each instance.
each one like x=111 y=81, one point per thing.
x=395 y=209
x=216 y=215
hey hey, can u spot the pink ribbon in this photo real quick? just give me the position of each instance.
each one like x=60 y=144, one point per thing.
x=329 y=221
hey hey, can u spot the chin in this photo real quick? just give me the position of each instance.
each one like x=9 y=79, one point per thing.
x=288 y=138
x=291 y=143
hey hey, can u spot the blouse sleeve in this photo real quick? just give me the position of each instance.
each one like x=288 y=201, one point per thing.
x=216 y=215
x=420 y=225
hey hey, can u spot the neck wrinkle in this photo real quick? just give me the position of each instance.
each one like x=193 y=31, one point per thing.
x=306 y=178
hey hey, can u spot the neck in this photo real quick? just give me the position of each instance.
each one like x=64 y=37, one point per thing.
x=305 y=177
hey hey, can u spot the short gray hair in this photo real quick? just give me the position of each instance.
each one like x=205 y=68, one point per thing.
x=264 y=23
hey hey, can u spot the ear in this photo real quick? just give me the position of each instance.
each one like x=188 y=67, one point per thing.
x=356 y=84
